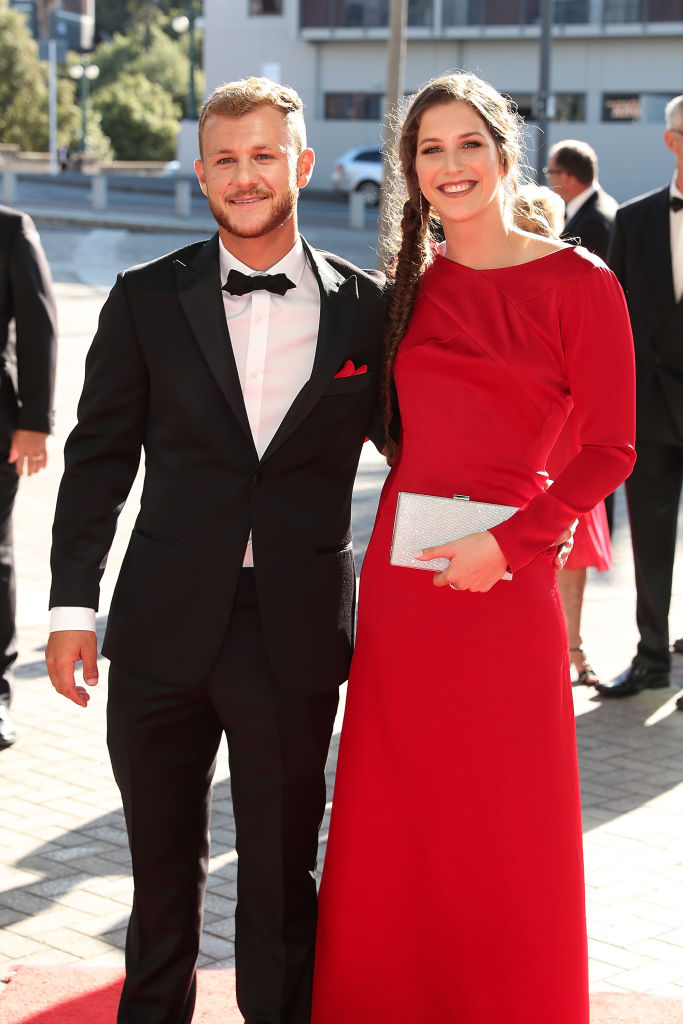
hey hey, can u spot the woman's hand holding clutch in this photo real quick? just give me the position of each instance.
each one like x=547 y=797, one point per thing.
x=476 y=562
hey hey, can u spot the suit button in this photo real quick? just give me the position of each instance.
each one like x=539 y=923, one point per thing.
x=256 y=477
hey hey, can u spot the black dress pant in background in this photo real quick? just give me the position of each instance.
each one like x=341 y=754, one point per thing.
x=653 y=492
x=163 y=740
x=9 y=482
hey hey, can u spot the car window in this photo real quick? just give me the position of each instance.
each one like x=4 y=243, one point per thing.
x=369 y=156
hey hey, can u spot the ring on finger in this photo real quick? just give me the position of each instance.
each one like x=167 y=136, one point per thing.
x=453 y=586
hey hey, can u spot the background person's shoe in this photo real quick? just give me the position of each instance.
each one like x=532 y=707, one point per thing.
x=633 y=680
x=679 y=702
x=8 y=733
x=677 y=646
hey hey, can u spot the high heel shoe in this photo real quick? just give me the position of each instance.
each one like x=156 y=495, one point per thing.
x=587 y=676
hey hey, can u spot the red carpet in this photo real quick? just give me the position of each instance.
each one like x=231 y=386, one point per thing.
x=74 y=995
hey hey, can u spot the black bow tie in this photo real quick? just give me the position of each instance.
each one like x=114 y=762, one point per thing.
x=676 y=203
x=239 y=283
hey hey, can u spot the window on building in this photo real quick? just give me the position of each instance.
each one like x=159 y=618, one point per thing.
x=621 y=107
x=646 y=107
x=562 y=106
x=353 y=106
x=266 y=6
x=420 y=13
x=624 y=11
x=570 y=106
x=361 y=13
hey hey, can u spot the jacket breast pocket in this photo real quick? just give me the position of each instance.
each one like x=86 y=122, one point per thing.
x=348 y=385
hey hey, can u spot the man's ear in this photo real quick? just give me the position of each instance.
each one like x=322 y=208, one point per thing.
x=201 y=177
x=305 y=167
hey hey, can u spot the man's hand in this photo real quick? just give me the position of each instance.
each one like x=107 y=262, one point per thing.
x=28 y=450
x=564 y=544
x=63 y=650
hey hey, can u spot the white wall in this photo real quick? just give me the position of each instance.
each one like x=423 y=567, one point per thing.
x=633 y=158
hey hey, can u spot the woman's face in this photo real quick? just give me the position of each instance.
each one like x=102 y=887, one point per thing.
x=458 y=165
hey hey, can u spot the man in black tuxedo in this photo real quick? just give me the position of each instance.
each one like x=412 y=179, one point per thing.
x=646 y=254
x=234 y=607
x=28 y=344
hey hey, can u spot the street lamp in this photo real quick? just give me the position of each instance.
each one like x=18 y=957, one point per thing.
x=184 y=23
x=85 y=73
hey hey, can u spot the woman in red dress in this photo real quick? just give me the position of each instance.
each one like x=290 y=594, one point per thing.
x=453 y=882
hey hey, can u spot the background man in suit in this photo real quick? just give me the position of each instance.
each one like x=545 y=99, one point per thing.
x=233 y=610
x=589 y=210
x=28 y=339
x=646 y=254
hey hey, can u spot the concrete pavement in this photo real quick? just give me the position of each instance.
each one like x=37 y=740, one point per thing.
x=63 y=854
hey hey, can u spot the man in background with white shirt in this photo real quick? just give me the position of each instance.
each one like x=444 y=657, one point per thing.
x=646 y=254
x=572 y=172
x=246 y=368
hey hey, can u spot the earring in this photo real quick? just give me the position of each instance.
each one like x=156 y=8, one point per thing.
x=422 y=202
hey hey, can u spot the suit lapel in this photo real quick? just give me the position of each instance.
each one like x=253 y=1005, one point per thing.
x=573 y=226
x=338 y=310
x=199 y=290
x=655 y=242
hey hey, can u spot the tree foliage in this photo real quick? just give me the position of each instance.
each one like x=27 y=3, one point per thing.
x=164 y=62
x=23 y=84
x=139 y=117
x=146 y=71
x=24 y=113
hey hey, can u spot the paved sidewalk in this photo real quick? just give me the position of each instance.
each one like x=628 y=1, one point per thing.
x=65 y=866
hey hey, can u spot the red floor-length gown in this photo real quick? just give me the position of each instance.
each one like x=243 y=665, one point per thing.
x=453 y=883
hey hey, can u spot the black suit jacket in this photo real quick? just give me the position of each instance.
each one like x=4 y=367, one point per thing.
x=28 y=330
x=161 y=376
x=592 y=223
x=640 y=256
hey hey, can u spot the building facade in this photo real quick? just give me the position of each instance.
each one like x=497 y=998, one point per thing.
x=614 y=65
x=71 y=24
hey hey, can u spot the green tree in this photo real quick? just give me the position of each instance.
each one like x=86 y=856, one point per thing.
x=139 y=117
x=164 y=63
x=23 y=84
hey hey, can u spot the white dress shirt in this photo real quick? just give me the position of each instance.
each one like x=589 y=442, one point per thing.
x=575 y=204
x=273 y=340
x=676 y=233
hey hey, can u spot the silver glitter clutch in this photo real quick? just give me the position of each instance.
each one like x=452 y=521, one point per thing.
x=424 y=520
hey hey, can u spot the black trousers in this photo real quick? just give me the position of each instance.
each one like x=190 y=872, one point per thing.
x=9 y=482
x=653 y=493
x=163 y=740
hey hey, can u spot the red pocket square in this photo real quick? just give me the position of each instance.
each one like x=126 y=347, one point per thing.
x=349 y=370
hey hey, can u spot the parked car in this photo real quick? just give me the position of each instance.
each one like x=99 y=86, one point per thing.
x=360 y=170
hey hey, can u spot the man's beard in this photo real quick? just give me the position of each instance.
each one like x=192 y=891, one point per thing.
x=281 y=213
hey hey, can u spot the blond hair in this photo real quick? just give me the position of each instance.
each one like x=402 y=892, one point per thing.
x=235 y=99
x=540 y=211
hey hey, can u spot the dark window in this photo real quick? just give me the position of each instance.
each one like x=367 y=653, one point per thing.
x=562 y=106
x=265 y=6
x=368 y=156
x=353 y=106
x=570 y=106
x=621 y=107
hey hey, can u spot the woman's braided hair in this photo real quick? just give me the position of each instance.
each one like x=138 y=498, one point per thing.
x=411 y=229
